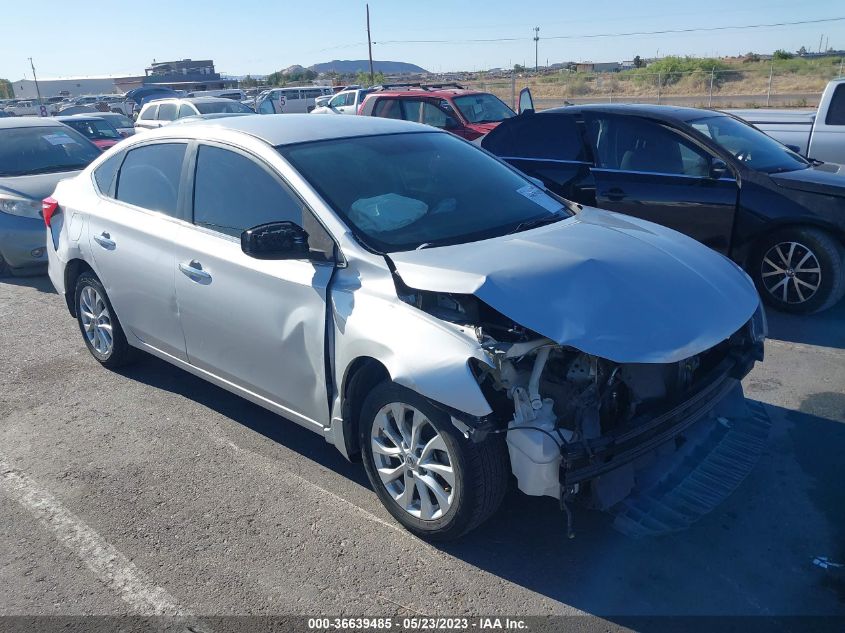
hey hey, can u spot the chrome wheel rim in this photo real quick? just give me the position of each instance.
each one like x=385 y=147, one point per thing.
x=412 y=461
x=96 y=320
x=791 y=272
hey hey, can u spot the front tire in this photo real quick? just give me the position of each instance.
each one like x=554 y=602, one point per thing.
x=799 y=270
x=99 y=325
x=433 y=480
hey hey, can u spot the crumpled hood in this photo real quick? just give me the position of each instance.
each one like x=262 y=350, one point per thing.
x=616 y=287
x=827 y=179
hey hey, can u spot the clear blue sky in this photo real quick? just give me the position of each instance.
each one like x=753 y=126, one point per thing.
x=95 y=38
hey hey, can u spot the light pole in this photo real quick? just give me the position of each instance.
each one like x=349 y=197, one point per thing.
x=37 y=89
x=536 y=48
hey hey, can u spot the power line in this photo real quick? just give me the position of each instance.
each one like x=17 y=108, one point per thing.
x=627 y=34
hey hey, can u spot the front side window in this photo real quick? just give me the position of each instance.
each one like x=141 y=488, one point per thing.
x=185 y=110
x=404 y=191
x=149 y=113
x=167 y=112
x=641 y=145
x=233 y=193
x=749 y=145
x=436 y=116
x=227 y=106
x=44 y=150
x=337 y=101
x=150 y=177
x=483 y=108
x=836 y=111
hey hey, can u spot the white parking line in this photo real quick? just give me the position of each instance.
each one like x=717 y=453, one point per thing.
x=111 y=567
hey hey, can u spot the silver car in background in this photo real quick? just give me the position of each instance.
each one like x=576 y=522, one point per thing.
x=421 y=305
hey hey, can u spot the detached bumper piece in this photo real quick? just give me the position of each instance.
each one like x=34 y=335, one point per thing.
x=690 y=483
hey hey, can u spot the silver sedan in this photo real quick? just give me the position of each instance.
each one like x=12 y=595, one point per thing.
x=422 y=305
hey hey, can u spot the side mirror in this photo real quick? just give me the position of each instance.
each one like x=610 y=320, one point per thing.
x=451 y=123
x=276 y=240
x=526 y=102
x=718 y=168
x=794 y=148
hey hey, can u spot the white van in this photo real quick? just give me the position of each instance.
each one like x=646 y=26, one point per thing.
x=293 y=100
x=234 y=94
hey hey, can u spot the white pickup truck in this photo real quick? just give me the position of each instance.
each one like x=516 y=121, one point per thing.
x=818 y=134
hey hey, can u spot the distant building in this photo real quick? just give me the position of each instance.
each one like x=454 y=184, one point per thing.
x=598 y=67
x=68 y=86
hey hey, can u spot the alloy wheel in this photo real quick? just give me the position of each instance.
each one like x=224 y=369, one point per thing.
x=791 y=272
x=96 y=320
x=413 y=461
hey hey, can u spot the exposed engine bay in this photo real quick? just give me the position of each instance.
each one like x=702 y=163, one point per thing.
x=575 y=423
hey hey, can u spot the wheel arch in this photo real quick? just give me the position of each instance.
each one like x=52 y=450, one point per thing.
x=361 y=376
x=745 y=250
x=73 y=270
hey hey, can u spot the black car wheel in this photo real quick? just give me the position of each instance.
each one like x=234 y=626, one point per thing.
x=432 y=479
x=799 y=270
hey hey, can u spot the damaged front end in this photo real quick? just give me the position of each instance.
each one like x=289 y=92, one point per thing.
x=611 y=434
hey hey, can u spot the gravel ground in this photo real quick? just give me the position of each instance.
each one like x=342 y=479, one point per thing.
x=149 y=491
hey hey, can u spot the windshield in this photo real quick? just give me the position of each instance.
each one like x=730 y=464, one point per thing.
x=400 y=192
x=483 y=108
x=95 y=129
x=213 y=107
x=41 y=150
x=749 y=145
x=118 y=120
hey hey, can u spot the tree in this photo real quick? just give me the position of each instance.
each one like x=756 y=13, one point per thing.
x=518 y=68
x=802 y=51
x=782 y=54
x=6 y=89
x=638 y=61
x=249 y=82
x=363 y=78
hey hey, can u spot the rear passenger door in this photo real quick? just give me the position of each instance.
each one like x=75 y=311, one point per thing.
x=651 y=171
x=133 y=233
x=549 y=147
x=257 y=324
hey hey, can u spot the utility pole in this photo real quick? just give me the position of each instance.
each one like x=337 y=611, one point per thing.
x=536 y=48
x=370 y=46
x=821 y=39
x=37 y=89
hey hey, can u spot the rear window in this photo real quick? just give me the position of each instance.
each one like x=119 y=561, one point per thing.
x=43 y=150
x=150 y=176
x=215 y=107
x=98 y=129
x=545 y=136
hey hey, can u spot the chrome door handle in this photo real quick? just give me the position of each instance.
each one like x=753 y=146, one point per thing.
x=194 y=270
x=104 y=240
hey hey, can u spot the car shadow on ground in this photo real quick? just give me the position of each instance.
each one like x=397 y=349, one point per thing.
x=751 y=556
x=826 y=329
x=39 y=282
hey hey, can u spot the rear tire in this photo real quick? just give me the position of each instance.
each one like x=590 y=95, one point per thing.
x=4 y=268
x=99 y=325
x=799 y=269
x=455 y=484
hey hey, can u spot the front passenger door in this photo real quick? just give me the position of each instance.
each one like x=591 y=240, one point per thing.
x=257 y=324
x=651 y=171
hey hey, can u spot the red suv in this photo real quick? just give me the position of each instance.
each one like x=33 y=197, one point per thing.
x=467 y=113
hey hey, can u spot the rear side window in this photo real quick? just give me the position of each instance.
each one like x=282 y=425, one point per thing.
x=388 y=109
x=149 y=114
x=167 y=112
x=105 y=173
x=233 y=193
x=547 y=136
x=150 y=177
x=836 y=112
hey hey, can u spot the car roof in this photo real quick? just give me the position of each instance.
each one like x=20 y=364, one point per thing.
x=188 y=100
x=430 y=92
x=79 y=117
x=665 y=112
x=29 y=121
x=289 y=129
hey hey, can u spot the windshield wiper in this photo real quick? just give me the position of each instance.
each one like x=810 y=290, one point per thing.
x=536 y=222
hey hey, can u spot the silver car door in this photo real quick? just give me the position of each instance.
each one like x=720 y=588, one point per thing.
x=258 y=324
x=132 y=238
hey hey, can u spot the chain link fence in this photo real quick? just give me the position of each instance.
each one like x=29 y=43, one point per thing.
x=757 y=88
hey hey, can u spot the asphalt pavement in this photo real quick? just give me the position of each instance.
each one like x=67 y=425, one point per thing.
x=149 y=491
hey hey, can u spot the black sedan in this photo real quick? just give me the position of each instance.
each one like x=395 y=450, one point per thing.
x=704 y=173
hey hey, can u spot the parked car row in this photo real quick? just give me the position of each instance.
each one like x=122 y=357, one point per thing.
x=424 y=306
